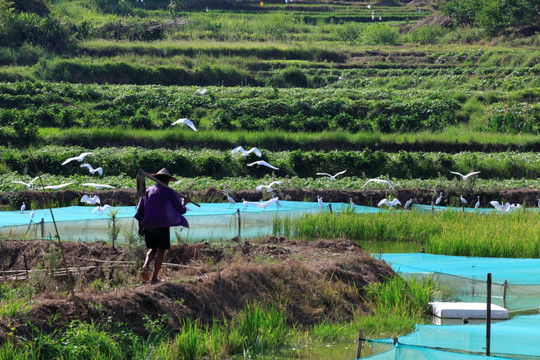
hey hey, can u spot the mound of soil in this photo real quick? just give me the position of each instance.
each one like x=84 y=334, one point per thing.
x=309 y=281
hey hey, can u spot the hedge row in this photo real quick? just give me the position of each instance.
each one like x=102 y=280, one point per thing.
x=219 y=164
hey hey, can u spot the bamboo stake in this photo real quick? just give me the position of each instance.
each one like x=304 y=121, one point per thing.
x=488 y=316
x=360 y=342
x=69 y=279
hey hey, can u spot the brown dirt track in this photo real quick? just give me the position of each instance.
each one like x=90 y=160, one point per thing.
x=311 y=281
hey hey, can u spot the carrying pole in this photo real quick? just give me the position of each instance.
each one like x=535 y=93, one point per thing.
x=488 y=316
x=239 y=225
x=141 y=188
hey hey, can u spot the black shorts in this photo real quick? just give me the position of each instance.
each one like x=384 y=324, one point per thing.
x=158 y=238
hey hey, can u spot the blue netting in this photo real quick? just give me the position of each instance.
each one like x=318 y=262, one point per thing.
x=515 y=271
x=466 y=277
x=519 y=336
x=405 y=352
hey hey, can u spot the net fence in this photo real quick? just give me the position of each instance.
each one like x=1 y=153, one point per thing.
x=515 y=282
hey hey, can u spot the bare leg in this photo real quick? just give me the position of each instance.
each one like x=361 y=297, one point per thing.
x=157 y=264
x=149 y=257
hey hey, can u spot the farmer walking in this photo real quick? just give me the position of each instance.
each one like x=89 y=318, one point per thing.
x=158 y=210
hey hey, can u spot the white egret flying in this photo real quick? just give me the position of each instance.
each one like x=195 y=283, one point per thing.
x=185 y=121
x=98 y=186
x=56 y=187
x=380 y=181
x=90 y=200
x=202 y=92
x=274 y=200
x=241 y=150
x=268 y=187
x=465 y=177
x=101 y=209
x=332 y=177
x=98 y=170
x=252 y=203
x=389 y=203
x=79 y=158
x=263 y=163
x=25 y=184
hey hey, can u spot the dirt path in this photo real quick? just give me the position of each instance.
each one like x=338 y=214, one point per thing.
x=311 y=281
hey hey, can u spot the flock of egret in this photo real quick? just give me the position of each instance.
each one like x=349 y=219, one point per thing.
x=85 y=198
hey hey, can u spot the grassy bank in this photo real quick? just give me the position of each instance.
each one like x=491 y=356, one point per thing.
x=511 y=235
x=395 y=306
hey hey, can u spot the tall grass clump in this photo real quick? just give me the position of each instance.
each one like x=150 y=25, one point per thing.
x=451 y=233
x=258 y=329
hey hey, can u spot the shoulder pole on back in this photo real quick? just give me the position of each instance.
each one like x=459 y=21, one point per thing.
x=141 y=185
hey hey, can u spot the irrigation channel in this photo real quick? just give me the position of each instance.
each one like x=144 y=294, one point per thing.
x=217 y=221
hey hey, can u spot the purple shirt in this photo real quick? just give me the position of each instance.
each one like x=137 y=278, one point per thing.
x=160 y=207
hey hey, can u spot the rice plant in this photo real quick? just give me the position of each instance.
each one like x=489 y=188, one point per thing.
x=450 y=232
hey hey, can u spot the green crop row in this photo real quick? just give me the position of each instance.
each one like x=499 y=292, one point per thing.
x=220 y=164
x=489 y=188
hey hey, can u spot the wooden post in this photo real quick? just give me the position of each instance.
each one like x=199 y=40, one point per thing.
x=330 y=207
x=42 y=223
x=239 y=225
x=25 y=266
x=488 y=316
x=432 y=207
x=359 y=346
x=395 y=341
x=505 y=286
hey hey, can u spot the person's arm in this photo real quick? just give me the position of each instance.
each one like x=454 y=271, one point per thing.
x=140 y=214
x=176 y=202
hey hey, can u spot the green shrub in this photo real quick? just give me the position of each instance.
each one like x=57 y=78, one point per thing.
x=350 y=32
x=382 y=34
x=427 y=34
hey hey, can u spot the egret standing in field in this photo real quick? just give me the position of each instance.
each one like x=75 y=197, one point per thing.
x=98 y=170
x=333 y=177
x=438 y=200
x=477 y=205
x=539 y=203
x=23 y=207
x=79 y=158
x=230 y=199
x=319 y=200
x=353 y=205
x=462 y=199
x=408 y=203
x=465 y=177
x=185 y=121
